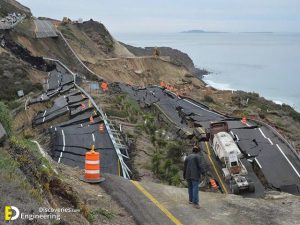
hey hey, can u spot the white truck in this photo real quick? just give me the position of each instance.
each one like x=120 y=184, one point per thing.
x=228 y=153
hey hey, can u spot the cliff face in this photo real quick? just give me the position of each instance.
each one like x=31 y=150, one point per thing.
x=98 y=33
x=10 y=6
x=177 y=57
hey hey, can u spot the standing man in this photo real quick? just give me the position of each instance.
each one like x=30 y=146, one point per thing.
x=193 y=169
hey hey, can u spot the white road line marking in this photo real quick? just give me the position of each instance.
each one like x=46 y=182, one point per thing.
x=270 y=141
x=265 y=136
x=258 y=163
x=93 y=138
x=201 y=107
x=64 y=145
x=44 y=119
x=288 y=160
x=44 y=113
x=262 y=133
x=235 y=135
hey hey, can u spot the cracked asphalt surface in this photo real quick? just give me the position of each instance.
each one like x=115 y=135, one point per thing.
x=263 y=149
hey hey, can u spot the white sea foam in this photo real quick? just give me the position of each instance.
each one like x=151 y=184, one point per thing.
x=220 y=86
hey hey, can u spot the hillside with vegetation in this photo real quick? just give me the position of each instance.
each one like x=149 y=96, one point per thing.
x=157 y=150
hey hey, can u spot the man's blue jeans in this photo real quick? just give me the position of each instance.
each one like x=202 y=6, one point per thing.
x=193 y=186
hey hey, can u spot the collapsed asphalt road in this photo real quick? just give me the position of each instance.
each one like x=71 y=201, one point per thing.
x=262 y=149
x=44 y=29
x=71 y=139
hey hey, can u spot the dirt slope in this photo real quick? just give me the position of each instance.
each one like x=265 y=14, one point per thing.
x=140 y=71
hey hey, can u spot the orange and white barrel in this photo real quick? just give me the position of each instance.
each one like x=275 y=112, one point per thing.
x=92 y=168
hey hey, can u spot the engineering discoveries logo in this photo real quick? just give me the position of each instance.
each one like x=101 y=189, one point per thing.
x=8 y=213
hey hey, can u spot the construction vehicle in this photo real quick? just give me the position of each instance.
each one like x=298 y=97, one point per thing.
x=228 y=153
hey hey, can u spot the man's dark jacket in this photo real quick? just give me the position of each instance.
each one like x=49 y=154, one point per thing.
x=193 y=167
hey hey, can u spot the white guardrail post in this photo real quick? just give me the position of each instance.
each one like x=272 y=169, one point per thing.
x=125 y=169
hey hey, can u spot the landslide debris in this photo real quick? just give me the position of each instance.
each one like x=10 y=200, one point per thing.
x=177 y=57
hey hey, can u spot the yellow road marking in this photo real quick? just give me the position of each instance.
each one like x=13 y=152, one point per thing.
x=215 y=169
x=154 y=200
x=119 y=169
x=214 y=166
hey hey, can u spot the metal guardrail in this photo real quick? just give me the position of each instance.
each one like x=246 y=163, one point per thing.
x=125 y=169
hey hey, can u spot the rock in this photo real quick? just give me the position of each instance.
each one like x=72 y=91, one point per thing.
x=3 y=134
x=138 y=72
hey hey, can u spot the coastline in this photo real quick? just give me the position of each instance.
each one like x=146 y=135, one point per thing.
x=209 y=82
x=269 y=65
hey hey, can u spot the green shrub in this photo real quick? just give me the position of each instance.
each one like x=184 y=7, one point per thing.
x=165 y=163
x=175 y=150
x=5 y=118
x=99 y=211
x=208 y=99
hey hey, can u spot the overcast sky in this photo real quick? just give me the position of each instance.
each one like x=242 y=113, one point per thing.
x=122 y=16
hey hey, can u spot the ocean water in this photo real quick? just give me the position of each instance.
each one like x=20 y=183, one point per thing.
x=266 y=63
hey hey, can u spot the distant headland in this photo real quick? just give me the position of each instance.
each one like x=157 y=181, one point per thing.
x=200 y=31
x=204 y=31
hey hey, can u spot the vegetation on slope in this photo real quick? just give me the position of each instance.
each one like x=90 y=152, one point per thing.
x=5 y=118
x=14 y=76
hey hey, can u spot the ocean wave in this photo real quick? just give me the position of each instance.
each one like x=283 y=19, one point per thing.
x=219 y=86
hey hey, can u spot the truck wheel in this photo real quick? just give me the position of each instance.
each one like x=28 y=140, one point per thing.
x=251 y=187
x=235 y=189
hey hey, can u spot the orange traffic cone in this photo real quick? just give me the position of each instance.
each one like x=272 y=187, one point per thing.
x=92 y=167
x=101 y=128
x=104 y=86
x=213 y=184
x=244 y=120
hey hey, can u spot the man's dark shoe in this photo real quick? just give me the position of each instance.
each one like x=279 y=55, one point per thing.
x=190 y=202
x=197 y=206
